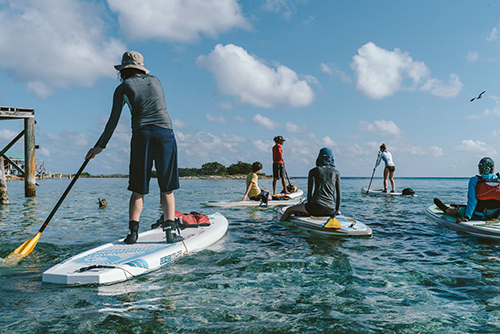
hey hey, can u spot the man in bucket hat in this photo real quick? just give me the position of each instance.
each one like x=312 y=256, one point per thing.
x=152 y=140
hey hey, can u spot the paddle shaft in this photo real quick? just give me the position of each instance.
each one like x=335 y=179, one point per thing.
x=284 y=169
x=369 y=185
x=77 y=175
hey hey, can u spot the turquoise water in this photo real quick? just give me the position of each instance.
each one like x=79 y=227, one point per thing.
x=412 y=276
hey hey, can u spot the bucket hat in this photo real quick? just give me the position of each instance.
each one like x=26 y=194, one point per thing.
x=132 y=59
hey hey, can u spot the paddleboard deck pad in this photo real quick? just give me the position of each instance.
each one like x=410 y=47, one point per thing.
x=380 y=192
x=289 y=199
x=481 y=228
x=118 y=261
x=350 y=227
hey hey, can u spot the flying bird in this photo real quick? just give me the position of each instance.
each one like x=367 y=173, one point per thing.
x=478 y=97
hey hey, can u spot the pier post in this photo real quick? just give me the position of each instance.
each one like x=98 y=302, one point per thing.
x=4 y=197
x=29 y=158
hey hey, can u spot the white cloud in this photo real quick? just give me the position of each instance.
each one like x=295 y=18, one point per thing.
x=295 y=128
x=382 y=127
x=263 y=145
x=178 y=20
x=493 y=35
x=381 y=73
x=77 y=139
x=205 y=146
x=328 y=142
x=265 y=122
x=438 y=88
x=180 y=124
x=334 y=71
x=488 y=112
x=239 y=74
x=42 y=151
x=214 y=119
x=353 y=149
x=51 y=44
x=434 y=151
x=476 y=147
x=7 y=134
x=286 y=7
x=472 y=57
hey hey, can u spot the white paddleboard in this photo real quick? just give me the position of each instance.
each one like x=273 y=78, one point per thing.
x=380 y=192
x=480 y=228
x=293 y=198
x=350 y=226
x=118 y=261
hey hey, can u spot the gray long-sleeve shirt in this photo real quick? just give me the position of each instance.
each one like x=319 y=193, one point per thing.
x=144 y=95
x=326 y=182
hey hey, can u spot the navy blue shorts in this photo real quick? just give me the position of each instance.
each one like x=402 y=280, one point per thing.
x=152 y=143
x=278 y=170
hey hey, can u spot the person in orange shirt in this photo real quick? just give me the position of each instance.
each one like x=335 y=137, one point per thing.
x=279 y=165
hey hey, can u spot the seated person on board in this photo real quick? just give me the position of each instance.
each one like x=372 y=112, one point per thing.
x=325 y=180
x=254 y=192
x=483 y=195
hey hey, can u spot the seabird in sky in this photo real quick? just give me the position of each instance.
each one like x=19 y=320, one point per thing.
x=477 y=98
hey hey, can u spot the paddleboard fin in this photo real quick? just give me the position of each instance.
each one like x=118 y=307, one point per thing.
x=332 y=223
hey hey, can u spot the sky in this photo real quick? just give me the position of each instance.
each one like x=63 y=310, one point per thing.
x=348 y=75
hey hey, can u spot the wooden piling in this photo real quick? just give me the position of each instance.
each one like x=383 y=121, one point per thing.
x=29 y=146
x=29 y=158
x=4 y=196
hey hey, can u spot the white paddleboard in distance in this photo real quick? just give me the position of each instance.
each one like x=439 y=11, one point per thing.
x=350 y=226
x=294 y=198
x=118 y=261
x=480 y=228
x=380 y=192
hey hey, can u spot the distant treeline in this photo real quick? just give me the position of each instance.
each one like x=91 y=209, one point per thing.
x=210 y=168
x=216 y=168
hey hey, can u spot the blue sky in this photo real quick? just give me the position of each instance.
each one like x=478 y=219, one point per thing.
x=348 y=75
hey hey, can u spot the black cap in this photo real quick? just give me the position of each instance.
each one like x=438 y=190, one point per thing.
x=279 y=138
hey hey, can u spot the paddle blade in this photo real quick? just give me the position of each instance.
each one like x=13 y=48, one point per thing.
x=333 y=223
x=26 y=248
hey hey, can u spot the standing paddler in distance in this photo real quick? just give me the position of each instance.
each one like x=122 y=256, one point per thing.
x=389 y=169
x=152 y=140
x=279 y=165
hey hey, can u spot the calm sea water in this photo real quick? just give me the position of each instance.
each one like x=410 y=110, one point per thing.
x=412 y=276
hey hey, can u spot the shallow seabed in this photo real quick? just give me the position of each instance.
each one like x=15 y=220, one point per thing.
x=263 y=276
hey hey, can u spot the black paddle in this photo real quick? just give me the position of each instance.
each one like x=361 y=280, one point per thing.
x=28 y=246
x=289 y=187
x=367 y=190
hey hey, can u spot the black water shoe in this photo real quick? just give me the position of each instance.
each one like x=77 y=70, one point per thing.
x=168 y=226
x=134 y=229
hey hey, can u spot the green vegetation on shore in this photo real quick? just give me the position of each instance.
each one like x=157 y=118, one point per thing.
x=209 y=169
x=216 y=168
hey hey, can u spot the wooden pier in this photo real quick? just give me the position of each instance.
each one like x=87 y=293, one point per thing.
x=29 y=172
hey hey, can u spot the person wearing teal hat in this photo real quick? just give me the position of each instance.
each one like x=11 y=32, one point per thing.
x=483 y=195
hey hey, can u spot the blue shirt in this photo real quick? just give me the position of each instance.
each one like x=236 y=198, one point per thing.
x=471 y=193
